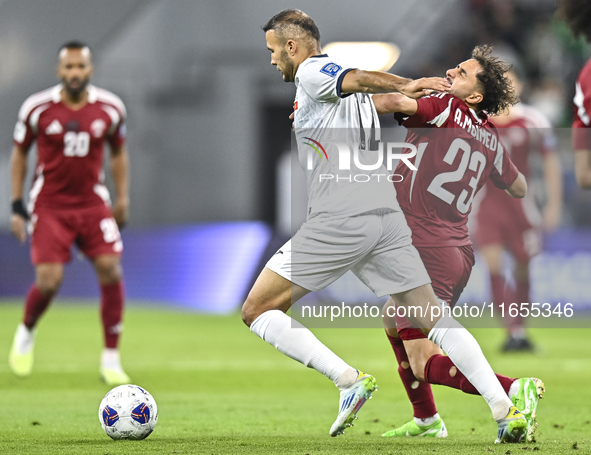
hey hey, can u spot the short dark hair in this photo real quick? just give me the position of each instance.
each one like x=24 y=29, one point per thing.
x=292 y=23
x=499 y=93
x=577 y=15
x=73 y=45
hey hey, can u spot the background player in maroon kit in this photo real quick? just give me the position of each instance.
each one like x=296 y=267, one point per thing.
x=516 y=225
x=577 y=14
x=458 y=149
x=68 y=202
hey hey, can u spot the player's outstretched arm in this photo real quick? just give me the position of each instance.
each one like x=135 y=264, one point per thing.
x=18 y=172
x=425 y=86
x=583 y=168
x=391 y=103
x=518 y=188
x=359 y=81
x=120 y=170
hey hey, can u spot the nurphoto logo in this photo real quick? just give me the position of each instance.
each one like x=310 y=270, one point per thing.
x=348 y=160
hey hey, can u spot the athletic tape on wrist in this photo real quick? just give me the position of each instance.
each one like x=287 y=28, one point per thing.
x=18 y=208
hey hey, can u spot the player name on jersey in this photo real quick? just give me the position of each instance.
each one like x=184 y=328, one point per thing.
x=485 y=136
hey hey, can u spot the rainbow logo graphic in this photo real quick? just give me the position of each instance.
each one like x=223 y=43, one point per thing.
x=316 y=148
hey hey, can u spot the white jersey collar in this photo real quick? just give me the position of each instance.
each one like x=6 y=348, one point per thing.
x=475 y=115
x=56 y=95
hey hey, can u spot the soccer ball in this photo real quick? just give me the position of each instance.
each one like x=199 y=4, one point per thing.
x=128 y=412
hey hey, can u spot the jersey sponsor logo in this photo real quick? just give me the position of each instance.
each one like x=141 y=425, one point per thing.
x=316 y=148
x=54 y=127
x=331 y=69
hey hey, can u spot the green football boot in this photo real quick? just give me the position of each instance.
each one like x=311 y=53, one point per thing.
x=411 y=429
x=114 y=376
x=512 y=428
x=20 y=358
x=531 y=390
x=351 y=401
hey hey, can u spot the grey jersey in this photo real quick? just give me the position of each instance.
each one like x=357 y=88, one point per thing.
x=336 y=139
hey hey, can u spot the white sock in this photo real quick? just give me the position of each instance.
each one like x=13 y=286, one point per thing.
x=294 y=340
x=464 y=351
x=514 y=388
x=428 y=420
x=110 y=359
x=24 y=339
x=518 y=333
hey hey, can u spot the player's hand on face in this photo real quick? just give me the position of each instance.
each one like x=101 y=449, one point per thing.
x=121 y=213
x=425 y=86
x=18 y=227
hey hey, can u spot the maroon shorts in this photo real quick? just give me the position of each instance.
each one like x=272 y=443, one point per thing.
x=449 y=268
x=93 y=230
x=510 y=229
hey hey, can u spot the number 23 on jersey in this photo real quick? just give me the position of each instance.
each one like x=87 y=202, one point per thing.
x=475 y=161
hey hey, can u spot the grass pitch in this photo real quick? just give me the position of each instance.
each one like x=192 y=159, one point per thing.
x=220 y=390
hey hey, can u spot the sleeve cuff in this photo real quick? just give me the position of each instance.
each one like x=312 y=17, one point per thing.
x=340 y=81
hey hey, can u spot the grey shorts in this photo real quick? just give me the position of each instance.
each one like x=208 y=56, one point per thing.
x=376 y=246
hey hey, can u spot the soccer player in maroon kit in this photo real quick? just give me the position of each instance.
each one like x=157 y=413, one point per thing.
x=458 y=149
x=516 y=224
x=577 y=14
x=68 y=202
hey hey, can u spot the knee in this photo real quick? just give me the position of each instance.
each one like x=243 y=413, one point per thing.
x=494 y=268
x=492 y=255
x=392 y=332
x=48 y=283
x=418 y=368
x=108 y=270
x=249 y=312
x=259 y=302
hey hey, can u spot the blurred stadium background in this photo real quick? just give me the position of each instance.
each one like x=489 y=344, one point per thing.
x=209 y=131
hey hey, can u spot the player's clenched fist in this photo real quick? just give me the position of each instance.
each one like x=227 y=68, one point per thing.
x=17 y=227
x=424 y=86
x=121 y=213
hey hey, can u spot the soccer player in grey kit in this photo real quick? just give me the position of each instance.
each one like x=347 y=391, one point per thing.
x=351 y=226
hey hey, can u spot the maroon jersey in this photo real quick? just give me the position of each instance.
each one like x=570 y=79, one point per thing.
x=527 y=131
x=457 y=150
x=582 y=123
x=70 y=146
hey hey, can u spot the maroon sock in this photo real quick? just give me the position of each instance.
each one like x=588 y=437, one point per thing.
x=35 y=305
x=521 y=298
x=437 y=371
x=497 y=285
x=420 y=396
x=111 y=312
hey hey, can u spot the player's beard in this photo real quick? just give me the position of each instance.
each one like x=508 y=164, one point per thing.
x=287 y=67
x=75 y=92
